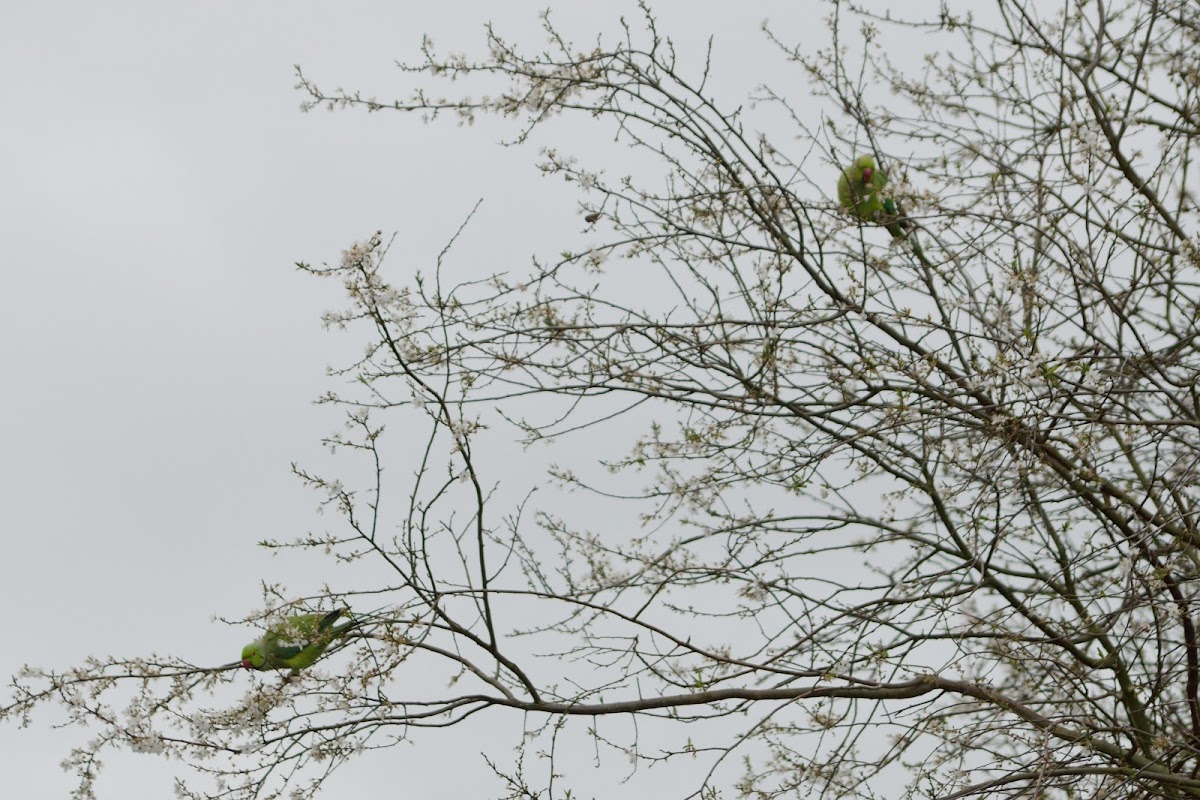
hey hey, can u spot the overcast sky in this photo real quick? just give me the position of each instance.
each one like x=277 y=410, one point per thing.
x=161 y=353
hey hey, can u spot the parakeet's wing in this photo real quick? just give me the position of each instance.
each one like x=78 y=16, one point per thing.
x=304 y=627
x=284 y=653
x=310 y=635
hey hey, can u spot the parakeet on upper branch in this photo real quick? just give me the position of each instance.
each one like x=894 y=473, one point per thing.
x=859 y=192
x=294 y=643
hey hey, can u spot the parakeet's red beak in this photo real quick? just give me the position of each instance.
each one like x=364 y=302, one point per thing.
x=245 y=663
x=867 y=173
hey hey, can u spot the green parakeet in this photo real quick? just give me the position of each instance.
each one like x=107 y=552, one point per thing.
x=859 y=190
x=294 y=643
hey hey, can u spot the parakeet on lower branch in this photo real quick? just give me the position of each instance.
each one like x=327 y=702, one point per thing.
x=860 y=192
x=294 y=643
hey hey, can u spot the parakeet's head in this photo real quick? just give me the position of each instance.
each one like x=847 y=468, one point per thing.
x=252 y=656
x=865 y=167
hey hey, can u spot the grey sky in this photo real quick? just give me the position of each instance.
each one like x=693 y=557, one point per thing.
x=160 y=355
